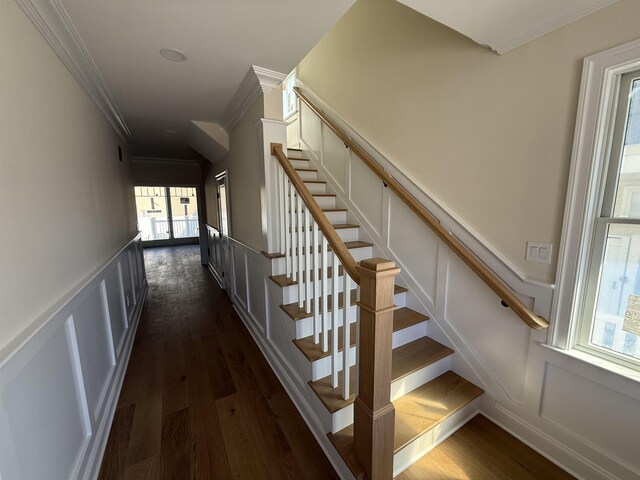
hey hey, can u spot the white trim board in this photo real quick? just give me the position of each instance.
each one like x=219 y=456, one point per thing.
x=52 y=21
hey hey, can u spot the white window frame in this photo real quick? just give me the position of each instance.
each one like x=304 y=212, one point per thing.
x=592 y=142
x=287 y=86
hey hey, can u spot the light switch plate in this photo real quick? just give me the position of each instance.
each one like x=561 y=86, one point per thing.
x=539 y=252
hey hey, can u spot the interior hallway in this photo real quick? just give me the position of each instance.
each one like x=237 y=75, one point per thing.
x=199 y=400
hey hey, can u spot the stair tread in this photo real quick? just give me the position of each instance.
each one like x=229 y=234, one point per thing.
x=415 y=355
x=297 y=313
x=405 y=360
x=470 y=447
x=418 y=411
x=305 y=169
x=314 y=181
x=402 y=318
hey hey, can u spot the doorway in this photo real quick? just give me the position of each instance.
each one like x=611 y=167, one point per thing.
x=224 y=223
x=167 y=215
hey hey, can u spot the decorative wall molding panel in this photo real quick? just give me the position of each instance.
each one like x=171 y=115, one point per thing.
x=257 y=81
x=546 y=398
x=53 y=23
x=59 y=390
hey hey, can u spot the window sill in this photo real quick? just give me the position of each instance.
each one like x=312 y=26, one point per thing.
x=605 y=365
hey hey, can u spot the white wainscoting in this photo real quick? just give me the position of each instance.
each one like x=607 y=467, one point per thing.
x=547 y=399
x=59 y=389
x=256 y=299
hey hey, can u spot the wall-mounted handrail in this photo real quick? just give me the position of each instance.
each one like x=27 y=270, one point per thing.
x=506 y=294
x=334 y=240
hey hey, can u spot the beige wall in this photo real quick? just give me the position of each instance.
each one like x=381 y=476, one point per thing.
x=60 y=154
x=243 y=162
x=490 y=136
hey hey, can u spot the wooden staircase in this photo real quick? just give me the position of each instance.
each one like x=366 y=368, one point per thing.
x=431 y=401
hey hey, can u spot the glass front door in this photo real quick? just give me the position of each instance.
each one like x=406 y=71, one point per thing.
x=167 y=215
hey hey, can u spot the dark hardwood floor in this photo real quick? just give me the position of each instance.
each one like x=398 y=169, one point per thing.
x=199 y=400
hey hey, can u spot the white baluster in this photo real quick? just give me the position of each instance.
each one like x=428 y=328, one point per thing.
x=287 y=226
x=294 y=232
x=334 y=327
x=325 y=295
x=281 y=208
x=316 y=285
x=309 y=249
x=346 y=334
x=300 y=228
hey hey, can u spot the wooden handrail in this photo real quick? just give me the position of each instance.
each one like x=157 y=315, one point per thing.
x=337 y=245
x=501 y=289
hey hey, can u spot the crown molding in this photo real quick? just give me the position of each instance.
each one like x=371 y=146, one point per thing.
x=54 y=24
x=256 y=82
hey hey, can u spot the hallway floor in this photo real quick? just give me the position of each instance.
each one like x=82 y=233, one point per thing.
x=199 y=400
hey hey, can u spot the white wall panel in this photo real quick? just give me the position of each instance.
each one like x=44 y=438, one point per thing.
x=256 y=281
x=591 y=411
x=239 y=274
x=126 y=283
x=45 y=414
x=366 y=193
x=334 y=155
x=489 y=330
x=414 y=245
x=95 y=349
x=117 y=311
x=310 y=132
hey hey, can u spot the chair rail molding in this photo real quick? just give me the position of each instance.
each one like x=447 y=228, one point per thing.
x=541 y=292
x=54 y=24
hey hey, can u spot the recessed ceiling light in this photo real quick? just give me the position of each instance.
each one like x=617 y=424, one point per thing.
x=170 y=131
x=173 y=54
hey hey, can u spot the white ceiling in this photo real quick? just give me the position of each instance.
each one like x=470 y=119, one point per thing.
x=503 y=25
x=112 y=48
x=222 y=39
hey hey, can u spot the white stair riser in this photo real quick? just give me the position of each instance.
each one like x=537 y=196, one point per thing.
x=290 y=295
x=293 y=154
x=322 y=368
x=409 y=383
x=326 y=202
x=409 y=334
x=317 y=187
x=304 y=327
x=336 y=217
x=304 y=175
x=323 y=202
x=300 y=163
x=358 y=254
x=420 y=446
x=342 y=419
x=346 y=234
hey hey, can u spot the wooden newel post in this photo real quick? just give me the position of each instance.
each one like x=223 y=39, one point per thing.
x=374 y=414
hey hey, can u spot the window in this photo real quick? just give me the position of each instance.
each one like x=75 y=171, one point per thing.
x=289 y=99
x=597 y=305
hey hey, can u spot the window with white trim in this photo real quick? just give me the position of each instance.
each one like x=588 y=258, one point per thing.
x=598 y=300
